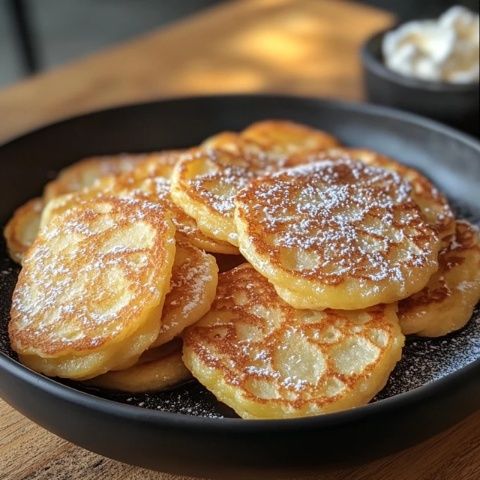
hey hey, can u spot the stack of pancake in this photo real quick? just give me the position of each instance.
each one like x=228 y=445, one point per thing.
x=328 y=257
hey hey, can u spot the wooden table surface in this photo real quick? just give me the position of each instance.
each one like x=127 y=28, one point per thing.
x=307 y=47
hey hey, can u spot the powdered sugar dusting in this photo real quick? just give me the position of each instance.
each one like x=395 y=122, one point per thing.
x=190 y=280
x=155 y=189
x=226 y=173
x=112 y=248
x=341 y=217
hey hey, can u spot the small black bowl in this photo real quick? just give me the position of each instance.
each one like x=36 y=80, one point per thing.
x=453 y=104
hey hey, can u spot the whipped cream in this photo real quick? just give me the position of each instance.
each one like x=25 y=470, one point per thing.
x=442 y=50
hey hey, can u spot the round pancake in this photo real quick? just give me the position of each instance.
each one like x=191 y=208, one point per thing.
x=284 y=137
x=192 y=290
x=91 y=291
x=276 y=138
x=138 y=181
x=194 y=274
x=446 y=304
x=84 y=173
x=231 y=142
x=158 y=164
x=266 y=359
x=206 y=180
x=336 y=234
x=432 y=203
x=157 y=369
x=22 y=228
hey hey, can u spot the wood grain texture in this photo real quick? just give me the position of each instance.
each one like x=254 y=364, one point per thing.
x=30 y=452
x=307 y=47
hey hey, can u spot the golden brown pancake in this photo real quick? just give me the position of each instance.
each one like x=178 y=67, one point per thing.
x=157 y=369
x=447 y=302
x=22 y=228
x=84 y=173
x=192 y=290
x=205 y=182
x=91 y=291
x=284 y=137
x=194 y=275
x=273 y=138
x=266 y=359
x=336 y=234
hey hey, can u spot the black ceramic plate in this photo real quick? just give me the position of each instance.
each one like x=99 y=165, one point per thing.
x=436 y=384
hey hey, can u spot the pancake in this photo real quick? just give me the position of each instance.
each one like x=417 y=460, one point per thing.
x=192 y=290
x=446 y=304
x=205 y=182
x=336 y=234
x=284 y=137
x=194 y=274
x=433 y=204
x=157 y=369
x=22 y=228
x=91 y=291
x=278 y=138
x=266 y=359
x=84 y=173
x=122 y=175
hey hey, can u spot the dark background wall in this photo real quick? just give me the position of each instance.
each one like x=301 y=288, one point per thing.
x=408 y=9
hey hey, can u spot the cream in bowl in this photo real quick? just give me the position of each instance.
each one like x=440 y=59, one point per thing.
x=442 y=50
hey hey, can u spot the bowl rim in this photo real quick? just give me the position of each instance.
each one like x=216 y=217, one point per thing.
x=436 y=388
x=375 y=65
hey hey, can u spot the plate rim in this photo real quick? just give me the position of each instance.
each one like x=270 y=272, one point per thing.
x=357 y=106
x=436 y=388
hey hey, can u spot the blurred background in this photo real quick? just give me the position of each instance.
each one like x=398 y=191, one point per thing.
x=36 y=35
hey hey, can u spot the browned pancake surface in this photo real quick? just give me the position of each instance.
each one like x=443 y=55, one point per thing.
x=89 y=276
x=349 y=234
x=157 y=369
x=266 y=359
x=22 y=228
x=447 y=302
